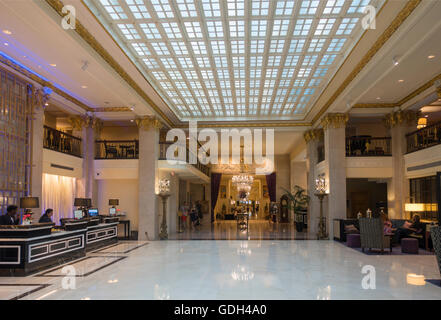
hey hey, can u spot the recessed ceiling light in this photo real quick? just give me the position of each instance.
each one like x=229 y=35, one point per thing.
x=6 y=44
x=132 y=120
x=401 y=80
x=53 y=65
x=378 y=98
x=395 y=61
x=84 y=87
x=431 y=57
x=7 y=32
x=132 y=108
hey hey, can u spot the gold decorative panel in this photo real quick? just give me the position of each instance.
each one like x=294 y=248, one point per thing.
x=14 y=137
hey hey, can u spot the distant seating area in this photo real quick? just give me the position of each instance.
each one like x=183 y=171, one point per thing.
x=122 y=149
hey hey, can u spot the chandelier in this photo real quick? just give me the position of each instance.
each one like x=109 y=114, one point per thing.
x=243 y=182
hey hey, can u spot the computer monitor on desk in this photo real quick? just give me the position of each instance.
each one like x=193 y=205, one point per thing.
x=93 y=212
x=112 y=211
x=78 y=214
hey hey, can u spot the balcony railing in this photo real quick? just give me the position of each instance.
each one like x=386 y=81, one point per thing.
x=163 y=146
x=61 y=142
x=116 y=149
x=366 y=146
x=424 y=138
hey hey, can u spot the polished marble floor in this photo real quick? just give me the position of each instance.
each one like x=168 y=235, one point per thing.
x=192 y=270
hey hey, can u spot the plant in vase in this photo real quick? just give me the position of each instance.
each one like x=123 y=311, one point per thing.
x=298 y=201
x=27 y=218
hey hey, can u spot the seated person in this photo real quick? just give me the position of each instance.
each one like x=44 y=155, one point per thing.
x=46 y=217
x=10 y=218
x=387 y=227
x=409 y=228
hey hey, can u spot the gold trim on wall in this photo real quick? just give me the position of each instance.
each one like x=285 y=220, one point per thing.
x=335 y=120
x=313 y=134
x=401 y=117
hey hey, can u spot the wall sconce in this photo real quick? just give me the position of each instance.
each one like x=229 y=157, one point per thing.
x=422 y=123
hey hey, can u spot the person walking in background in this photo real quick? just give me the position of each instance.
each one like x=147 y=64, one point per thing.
x=184 y=210
x=199 y=209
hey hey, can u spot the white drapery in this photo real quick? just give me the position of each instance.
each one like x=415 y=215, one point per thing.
x=59 y=194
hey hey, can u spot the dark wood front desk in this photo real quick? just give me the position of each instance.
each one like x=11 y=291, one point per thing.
x=28 y=249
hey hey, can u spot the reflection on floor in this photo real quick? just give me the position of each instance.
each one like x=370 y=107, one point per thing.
x=228 y=230
x=233 y=270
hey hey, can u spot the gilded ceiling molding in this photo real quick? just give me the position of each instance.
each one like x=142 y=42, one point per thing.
x=148 y=122
x=386 y=35
x=57 y=5
x=374 y=105
x=113 y=109
x=335 y=120
x=406 y=117
x=313 y=134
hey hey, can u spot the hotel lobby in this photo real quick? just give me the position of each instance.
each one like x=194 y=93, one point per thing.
x=220 y=150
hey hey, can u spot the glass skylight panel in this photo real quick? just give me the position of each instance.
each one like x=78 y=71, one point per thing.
x=316 y=44
x=274 y=61
x=193 y=29
x=221 y=62
x=336 y=45
x=176 y=101
x=159 y=75
x=280 y=28
x=239 y=73
x=304 y=72
x=199 y=47
x=191 y=74
x=346 y=26
x=150 y=30
x=225 y=84
x=166 y=85
x=320 y=72
x=237 y=47
x=113 y=8
x=162 y=8
x=138 y=9
x=284 y=7
x=333 y=6
x=271 y=73
x=223 y=74
x=258 y=28
x=309 y=6
x=309 y=60
x=327 y=59
x=179 y=47
x=256 y=61
x=160 y=48
x=358 y=6
x=218 y=47
x=296 y=45
x=276 y=46
x=259 y=7
x=213 y=93
x=215 y=29
x=288 y=72
x=324 y=27
x=203 y=62
x=284 y=82
x=236 y=8
x=169 y=63
x=309 y=91
x=182 y=85
x=210 y=84
x=302 y=27
x=187 y=8
x=237 y=28
x=315 y=82
x=255 y=83
x=185 y=62
x=211 y=8
x=257 y=46
x=291 y=60
x=184 y=93
x=141 y=49
x=175 y=75
x=207 y=74
x=129 y=31
x=151 y=63
x=238 y=61
x=172 y=30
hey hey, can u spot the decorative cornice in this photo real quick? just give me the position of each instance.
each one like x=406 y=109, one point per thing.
x=148 y=122
x=374 y=105
x=313 y=134
x=80 y=122
x=113 y=109
x=385 y=36
x=401 y=117
x=57 y=5
x=335 y=120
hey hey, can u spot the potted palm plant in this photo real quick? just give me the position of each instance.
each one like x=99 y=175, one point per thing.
x=298 y=201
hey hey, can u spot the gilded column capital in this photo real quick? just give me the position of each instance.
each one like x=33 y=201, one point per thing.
x=40 y=96
x=335 y=120
x=77 y=122
x=148 y=122
x=401 y=117
x=313 y=134
x=80 y=122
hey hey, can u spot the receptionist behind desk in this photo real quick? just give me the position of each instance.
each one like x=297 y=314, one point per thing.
x=10 y=218
x=46 y=217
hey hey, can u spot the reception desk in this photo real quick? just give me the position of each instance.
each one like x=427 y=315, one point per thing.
x=28 y=249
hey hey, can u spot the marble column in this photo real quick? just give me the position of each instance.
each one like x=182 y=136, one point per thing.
x=334 y=125
x=88 y=128
x=400 y=123
x=36 y=186
x=148 y=206
x=312 y=138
